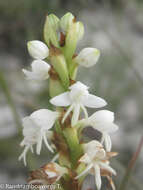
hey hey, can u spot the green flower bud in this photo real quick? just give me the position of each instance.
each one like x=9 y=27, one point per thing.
x=74 y=34
x=50 y=30
x=58 y=61
x=66 y=21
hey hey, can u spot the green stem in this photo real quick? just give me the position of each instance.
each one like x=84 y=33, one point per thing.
x=72 y=140
x=131 y=165
x=5 y=88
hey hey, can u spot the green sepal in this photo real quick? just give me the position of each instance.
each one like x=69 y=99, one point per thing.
x=50 y=30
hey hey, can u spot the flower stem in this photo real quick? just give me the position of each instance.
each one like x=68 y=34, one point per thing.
x=72 y=140
x=132 y=162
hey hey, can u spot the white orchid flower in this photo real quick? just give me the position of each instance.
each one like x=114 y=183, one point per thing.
x=102 y=121
x=87 y=57
x=77 y=98
x=40 y=71
x=37 y=49
x=36 y=129
x=96 y=160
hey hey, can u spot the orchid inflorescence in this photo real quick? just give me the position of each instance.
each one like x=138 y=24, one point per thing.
x=61 y=128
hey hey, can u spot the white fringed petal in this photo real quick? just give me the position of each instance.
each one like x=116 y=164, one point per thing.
x=36 y=129
x=108 y=142
x=107 y=167
x=97 y=176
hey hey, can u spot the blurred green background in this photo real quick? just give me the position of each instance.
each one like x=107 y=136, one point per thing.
x=113 y=26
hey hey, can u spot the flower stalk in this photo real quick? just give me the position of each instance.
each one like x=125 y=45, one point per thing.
x=60 y=130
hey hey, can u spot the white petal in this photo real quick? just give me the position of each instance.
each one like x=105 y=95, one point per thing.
x=85 y=111
x=106 y=127
x=76 y=113
x=108 y=142
x=102 y=116
x=97 y=176
x=38 y=49
x=23 y=155
x=78 y=85
x=29 y=128
x=61 y=100
x=46 y=143
x=94 y=101
x=67 y=113
x=44 y=118
x=85 y=171
x=107 y=167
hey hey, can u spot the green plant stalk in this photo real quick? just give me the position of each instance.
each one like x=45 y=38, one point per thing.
x=10 y=102
x=72 y=140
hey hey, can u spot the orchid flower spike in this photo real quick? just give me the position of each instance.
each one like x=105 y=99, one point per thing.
x=40 y=71
x=102 y=121
x=87 y=57
x=36 y=129
x=37 y=49
x=77 y=98
x=96 y=160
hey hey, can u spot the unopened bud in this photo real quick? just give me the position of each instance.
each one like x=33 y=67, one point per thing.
x=88 y=57
x=66 y=21
x=37 y=49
